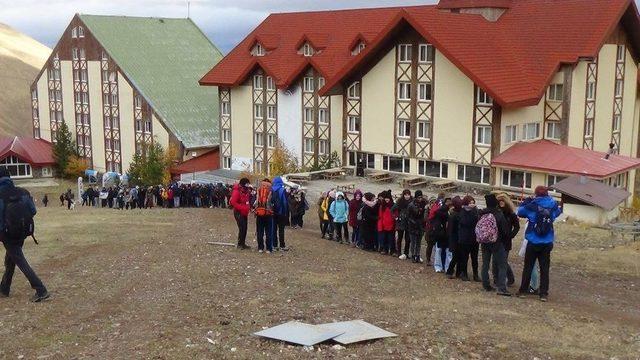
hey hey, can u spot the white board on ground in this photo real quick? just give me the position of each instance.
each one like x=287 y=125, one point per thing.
x=295 y=332
x=355 y=331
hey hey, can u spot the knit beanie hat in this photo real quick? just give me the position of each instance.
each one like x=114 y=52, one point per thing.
x=418 y=193
x=542 y=191
x=491 y=200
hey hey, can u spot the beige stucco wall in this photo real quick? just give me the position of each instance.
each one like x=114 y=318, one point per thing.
x=160 y=135
x=521 y=116
x=578 y=96
x=68 y=101
x=378 y=99
x=127 y=126
x=336 y=124
x=590 y=214
x=604 y=98
x=241 y=123
x=95 y=114
x=629 y=128
x=453 y=112
x=43 y=107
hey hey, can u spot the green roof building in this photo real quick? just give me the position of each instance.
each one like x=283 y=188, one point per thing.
x=121 y=82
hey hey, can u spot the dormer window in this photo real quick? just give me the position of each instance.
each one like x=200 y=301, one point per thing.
x=358 y=48
x=307 y=50
x=80 y=32
x=74 y=33
x=258 y=50
x=354 y=91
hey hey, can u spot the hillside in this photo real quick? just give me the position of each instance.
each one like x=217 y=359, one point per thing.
x=21 y=58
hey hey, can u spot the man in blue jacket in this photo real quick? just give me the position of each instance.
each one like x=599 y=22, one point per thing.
x=13 y=246
x=280 y=201
x=541 y=211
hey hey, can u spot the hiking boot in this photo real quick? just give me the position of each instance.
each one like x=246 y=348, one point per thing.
x=41 y=297
x=244 y=247
x=260 y=251
x=464 y=278
x=543 y=298
x=402 y=257
x=488 y=288
x=503 y=293
x=284 y=248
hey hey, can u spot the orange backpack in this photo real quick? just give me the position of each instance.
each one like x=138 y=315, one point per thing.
x=263 y=208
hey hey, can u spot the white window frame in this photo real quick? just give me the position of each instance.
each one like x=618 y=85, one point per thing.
x=620 y=53
x=47 y=172
x=483 y=135
x=17 y=164
x=404 y=128
x=555 y=92
x=271 y=85
x=556 y=179
x=321 y=82
x=404 y=91
x=308 y=50
x=405 y=53
x=589 y=128
x=74 y=33
x=74 y=53
x=511 y=134
x=271 y=112
x=258 y=82
x=619 y=88
x=271 y=141
x=323 y=116
x=308 y=84
x=353 y=92
x=483 y=98
x=527 y=176
x=617 y=123
x=323 y=147
x=525 y=129
x=422 y=92
x=485 y=174
x=258 y=111
x=591 y=91
x=226 y=136
x=80 y=32
x=258 y=139
x=426 y=54
x=226 y=162
x=443 y=165
x=258 y=50
x=423 y=130
x=309 y=145
x=353 y=124
x=553 y=130
x=308 y=115
x=406 y=164
x=225 y=108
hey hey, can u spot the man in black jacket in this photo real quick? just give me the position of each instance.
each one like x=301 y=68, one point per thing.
x=13 y=246
x=496 y=251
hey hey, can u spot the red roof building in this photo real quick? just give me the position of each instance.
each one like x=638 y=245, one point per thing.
x=208 y=161
x=26 y=157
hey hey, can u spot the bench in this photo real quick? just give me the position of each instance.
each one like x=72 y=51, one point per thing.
x=415 y=181
x=444 y=185
x=380 y=177
x=299 y=179
x=334 y=174
x=622 y=229
x=347 y=189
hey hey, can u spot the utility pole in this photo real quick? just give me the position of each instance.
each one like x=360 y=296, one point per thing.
x=188 y=9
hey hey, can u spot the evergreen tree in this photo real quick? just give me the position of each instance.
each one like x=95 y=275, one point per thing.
x=64 y=149
x=149 y=168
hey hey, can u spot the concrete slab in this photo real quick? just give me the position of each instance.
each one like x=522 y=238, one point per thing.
x=355 y=331
x=295 y=332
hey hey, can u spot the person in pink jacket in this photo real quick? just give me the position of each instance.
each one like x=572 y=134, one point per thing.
x=386 y=224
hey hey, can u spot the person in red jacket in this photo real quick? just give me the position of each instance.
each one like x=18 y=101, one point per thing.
x=240 y=202
x=386 y=225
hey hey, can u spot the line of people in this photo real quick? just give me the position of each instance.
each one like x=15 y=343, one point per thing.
x=455 y=230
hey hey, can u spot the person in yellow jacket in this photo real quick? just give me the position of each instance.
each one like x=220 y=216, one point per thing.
x=327 y=219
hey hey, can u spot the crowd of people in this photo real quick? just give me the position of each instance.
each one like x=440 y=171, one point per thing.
x=455 y=230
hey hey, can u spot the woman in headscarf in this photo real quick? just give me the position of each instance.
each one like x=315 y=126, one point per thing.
x=399 y=210
x=386 y=225
x=354 y=208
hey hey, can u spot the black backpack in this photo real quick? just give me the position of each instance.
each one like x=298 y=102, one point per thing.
x=18 y=218
x=544 y=223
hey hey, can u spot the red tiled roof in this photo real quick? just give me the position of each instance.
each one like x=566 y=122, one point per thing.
x=547 y=156
x=205 y=162
x=462 y=4
x=33 y=151
x=513 y=59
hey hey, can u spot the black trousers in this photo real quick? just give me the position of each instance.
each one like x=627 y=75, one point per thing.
x=454 y=265
x=403 y=234
x=242 y=227
x=466 y=251
x=541 y=253
x=341 y=229
x=277 y=231
x=263 y=229
x=510 y=278
x=498 y=254
x=15 y=257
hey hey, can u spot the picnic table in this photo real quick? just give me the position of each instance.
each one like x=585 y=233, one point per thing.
x=334 y=174
x=347 y=189
x=444 y=185
x=299 y=178
x=380 y=176
x=622 y=229
x=414 y=181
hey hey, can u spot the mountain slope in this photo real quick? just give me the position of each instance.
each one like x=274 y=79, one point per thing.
x=21 y=58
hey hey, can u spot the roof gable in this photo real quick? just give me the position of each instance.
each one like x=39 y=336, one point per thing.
x=163 y=59
x=33 y=151
x=592 y=192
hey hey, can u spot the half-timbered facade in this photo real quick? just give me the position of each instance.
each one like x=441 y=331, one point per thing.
x=122 y=83
x=442 y=90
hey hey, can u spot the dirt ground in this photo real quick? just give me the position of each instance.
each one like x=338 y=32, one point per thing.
x=145 y=285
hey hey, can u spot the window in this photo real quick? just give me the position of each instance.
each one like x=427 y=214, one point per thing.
x=271 y=141
x=588 y=131
x=258 y=166
x=426 y=53
x=424 y=130
x=308 y=115
x=271 y=85
x=396 y=164
x=226 y=135
x=404 y=128
x=225 y=108
x=74 y=33
x=104 y=56
x=74 y=53
x=619 y=87
x=138 y=124
x=258 y=111
x=474 y=174
x=554 y=179
x=354 y=91
x=483 y=135
x=83 y=54
x=226 y=162
x=258 y=50
x=84 y=77
x=616 y=122
x=147 y=125
x=308 y=145
x=34 y=94
x=46 y=172
x=424 y=92
x=516 y=179
x=80 y=32
x=309 y=84
x=353 y=124
x=591 y=91
x=307 y=50
x=553 y=130
x=620 y=53
x=321 y=82
x=358 y=49
x=404 y=53
x=555 y=92
x=404 y=91
x=531 y=131
x=323 y=116
x=323 y=147
x=483 y=98
x=511 y=134
x=116 y=145
x=258 y=139
x=257 y=82
x=433 y=168
x=271 y=112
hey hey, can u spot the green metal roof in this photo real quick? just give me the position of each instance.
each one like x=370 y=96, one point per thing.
x=164 y=59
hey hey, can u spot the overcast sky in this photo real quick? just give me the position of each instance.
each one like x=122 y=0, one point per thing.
x=226 y=22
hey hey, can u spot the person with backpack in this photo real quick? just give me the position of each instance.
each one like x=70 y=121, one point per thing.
x=453 y=270
x=369 y=222
x=280 y=202
x=541 y=212
x=415 y=225
x=386 y=225
x=467 y=244
x=492 y=232
x=506 y=206
x=264 y=216
x=434 y=205
x=339 y=211
x=399 y=211
x=439 y=233
x=355 y=217
x=240 y=198
x=17 y=211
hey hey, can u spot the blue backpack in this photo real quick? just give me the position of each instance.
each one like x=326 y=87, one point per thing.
x=544 y=223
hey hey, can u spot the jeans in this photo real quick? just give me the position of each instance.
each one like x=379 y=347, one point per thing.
x=510 y=278
x=263 y=228
x=242 y=228
x=198 y=202
x=14 y=256
x=442 y=259
x=416 y=244
x=454 y=264
x=403 y=234
x=339 y=230
x=542 y=254
x=277 y=232
x=385 y=241
x=466 y=251
x=535 y=277
x=355 y=236
x=327 y=229
x=498 y=254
